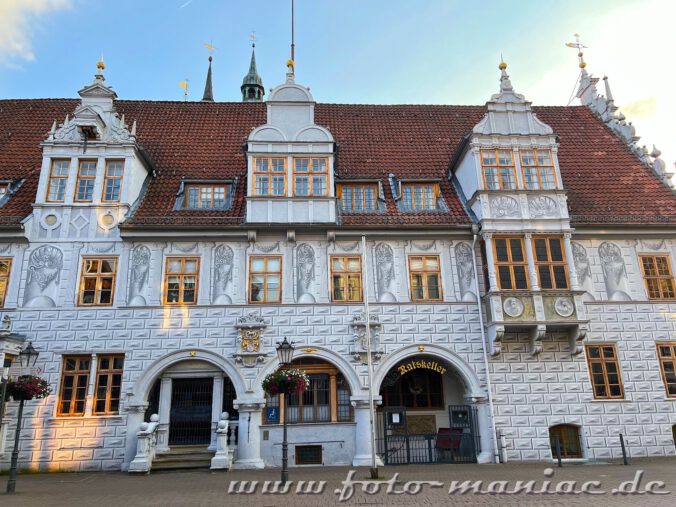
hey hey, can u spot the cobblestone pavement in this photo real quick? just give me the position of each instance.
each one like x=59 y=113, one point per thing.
x=211 y=488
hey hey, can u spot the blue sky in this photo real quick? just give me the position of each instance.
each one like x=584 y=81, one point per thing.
x=356 y=51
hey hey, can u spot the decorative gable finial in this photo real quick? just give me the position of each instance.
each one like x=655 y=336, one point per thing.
x=505 y=83
x=208 y=87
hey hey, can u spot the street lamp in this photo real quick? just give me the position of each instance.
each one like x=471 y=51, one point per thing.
x=284 y=354
x=28 y=357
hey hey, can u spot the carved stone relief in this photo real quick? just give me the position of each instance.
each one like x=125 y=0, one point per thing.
x=138 y=276
x=223 y=265
x=542 y=206
x=564 y=307
x=614 y=272
x=465 y=267
x=385 y=272
x=305 y=273
x=44 y=267
x=583 y=269
x=513 y=307
x=504 y=206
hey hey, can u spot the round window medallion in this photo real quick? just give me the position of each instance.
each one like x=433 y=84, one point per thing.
x=107 y=220
x=51 y=220
x=564 y=307
x=513 y=307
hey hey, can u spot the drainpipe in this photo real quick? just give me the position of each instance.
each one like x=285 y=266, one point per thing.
x=489 y=387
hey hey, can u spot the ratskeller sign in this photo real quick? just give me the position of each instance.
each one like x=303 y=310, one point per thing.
x=415 y=365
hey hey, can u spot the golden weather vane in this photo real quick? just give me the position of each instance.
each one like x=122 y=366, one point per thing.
x=579 y=46
x=210 y=47
x=184 y=85
x=252 y=38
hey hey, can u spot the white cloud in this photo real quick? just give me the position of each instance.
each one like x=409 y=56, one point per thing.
x=18 y=21
x=634 y=54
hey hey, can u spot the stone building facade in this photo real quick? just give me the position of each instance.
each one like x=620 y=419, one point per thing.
x=518 y=262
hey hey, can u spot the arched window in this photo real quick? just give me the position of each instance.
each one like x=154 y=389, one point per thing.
x=568 y=440
x=419 y=389
x=326 y=400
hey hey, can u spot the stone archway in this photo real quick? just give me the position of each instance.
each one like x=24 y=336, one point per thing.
x=438 y=396
x=209 y=371
x=327 y=355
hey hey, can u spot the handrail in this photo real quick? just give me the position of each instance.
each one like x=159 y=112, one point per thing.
x=145 y=446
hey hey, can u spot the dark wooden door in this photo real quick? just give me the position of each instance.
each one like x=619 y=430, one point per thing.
x=190 y=419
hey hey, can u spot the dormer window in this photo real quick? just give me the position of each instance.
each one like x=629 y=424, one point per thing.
x=58 y=177
x=358 y=197
x=86 y=176
x=498 y=169
x=538 y=169
x=420 y=196
x=270 y=176
x=206 y=196
x=310 y=176
x=4 y=188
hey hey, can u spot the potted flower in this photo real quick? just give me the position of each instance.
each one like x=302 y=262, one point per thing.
x=291 y=381
x=28 y=387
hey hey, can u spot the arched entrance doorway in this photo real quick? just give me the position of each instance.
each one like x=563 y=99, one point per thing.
x=424 y=416
x=189 y=397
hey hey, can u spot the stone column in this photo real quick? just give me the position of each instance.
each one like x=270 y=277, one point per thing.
x=484 y=430
x=249 y=436
x=530 y=257
x=490 y=260
x=216 y=409
x=570 y=261
x=362 y=435
x=164 y=413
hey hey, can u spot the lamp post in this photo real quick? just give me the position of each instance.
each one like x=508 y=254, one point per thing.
x=284 y=354
x=28 y=357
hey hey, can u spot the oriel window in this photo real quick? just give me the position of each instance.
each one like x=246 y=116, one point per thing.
x=310 y=176
x=604 y=370
x=538 y=169
x=112 y=183
x=265 y=277
x=74 y=383
x=425 y=277
x=498 y=169
x=270 y=176
x=58 y=178
x=550 y=262
x=659 y=281
x=180 y=280
x=86 y=176
x=108 y=384
x=97 y=281
x=510 y=263
x=346 y=278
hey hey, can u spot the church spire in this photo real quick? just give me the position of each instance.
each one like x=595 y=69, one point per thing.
x=252 y=84
x=208 y=87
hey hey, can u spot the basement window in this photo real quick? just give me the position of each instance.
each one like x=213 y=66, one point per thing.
x=308 y=455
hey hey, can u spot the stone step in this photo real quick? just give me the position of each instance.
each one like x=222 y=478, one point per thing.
x=180 y=465
x=184 y=456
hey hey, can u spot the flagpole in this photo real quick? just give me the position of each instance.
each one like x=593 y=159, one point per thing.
x=369 y=362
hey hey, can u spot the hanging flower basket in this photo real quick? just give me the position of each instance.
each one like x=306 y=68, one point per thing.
x=291 y=381
x=28 y=387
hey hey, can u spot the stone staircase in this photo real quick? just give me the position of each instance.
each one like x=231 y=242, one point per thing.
x=182 y=457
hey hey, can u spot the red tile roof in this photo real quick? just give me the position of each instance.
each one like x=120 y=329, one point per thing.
x=604 y=181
